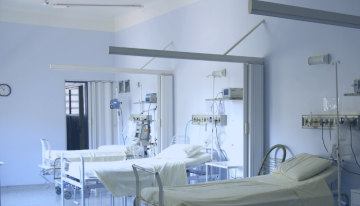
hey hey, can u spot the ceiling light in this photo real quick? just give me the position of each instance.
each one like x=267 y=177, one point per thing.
x=303 y=14
x=46 y=2
x=93 y=5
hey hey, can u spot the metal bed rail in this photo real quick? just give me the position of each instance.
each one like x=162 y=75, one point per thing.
x=79 y=183
x=158 y=179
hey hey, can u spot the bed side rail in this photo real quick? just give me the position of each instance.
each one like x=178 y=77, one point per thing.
x=45 y=147
x=158 y=179
x=65 y=178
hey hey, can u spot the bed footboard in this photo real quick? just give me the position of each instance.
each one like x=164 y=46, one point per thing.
x=158 y=179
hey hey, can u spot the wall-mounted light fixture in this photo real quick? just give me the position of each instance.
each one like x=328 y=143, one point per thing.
x=316 y=60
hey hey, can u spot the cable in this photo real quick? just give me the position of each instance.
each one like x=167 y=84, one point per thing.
x=217 y=138
x=322 y=137
x=186 y=129
x=354 y=173
x=213 y=107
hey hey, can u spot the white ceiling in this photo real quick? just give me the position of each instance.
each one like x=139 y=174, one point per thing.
x=36 y=6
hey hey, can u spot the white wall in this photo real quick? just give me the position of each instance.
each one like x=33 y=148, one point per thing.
x=36 y=107
x=292 y=87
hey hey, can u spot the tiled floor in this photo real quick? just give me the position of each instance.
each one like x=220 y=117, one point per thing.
x=39 y=195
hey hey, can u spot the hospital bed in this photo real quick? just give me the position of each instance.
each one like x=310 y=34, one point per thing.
x=270 y=190
x=118 y=176
x=51 y=158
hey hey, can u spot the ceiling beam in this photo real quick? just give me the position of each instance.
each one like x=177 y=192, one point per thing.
x=109 y=69
x=303 y=14
x=183 y=55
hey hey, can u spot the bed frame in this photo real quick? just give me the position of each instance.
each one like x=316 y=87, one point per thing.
x=84 y=184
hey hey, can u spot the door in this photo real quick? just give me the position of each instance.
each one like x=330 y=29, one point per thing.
x=76 y=124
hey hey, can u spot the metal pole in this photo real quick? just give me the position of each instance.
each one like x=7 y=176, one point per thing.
x=229 y=50
x=117 y=118
x=154 y=57
x=338 y=134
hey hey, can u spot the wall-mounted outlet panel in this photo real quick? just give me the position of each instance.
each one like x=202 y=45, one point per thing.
x=139 y=117
x=314 y=121
x=221 y=120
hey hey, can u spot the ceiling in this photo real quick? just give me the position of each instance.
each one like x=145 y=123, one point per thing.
x=36 y=6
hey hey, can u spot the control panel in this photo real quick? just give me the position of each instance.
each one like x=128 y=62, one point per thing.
x=329 y=121
x=140 y=117
x=220 y=120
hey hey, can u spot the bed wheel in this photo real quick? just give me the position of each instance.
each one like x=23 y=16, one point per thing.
x=58 y=190
x=67 y=195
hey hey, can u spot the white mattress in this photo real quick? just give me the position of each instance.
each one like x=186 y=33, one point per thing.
x=73 y=170
x=88 y=155
x=266 y=190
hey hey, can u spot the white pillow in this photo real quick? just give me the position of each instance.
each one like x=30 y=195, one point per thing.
x=180 y=151
x=302 y=166
x=113 y=147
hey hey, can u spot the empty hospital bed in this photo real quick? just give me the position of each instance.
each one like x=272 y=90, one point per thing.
x=118 y=176
x=291 y=183
x=51 y=158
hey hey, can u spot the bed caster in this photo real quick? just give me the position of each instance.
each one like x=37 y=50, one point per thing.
x=58 y=190
x=67 y=195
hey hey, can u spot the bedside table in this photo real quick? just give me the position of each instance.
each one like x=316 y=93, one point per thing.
x=224 y=164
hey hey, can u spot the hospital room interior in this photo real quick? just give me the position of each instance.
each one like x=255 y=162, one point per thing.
x=179 y=103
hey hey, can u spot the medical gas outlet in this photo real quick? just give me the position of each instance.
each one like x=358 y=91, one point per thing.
x=328 y=121
x=140 y=117
x=220 y=120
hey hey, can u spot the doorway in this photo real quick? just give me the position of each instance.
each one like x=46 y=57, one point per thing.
x=76 y=115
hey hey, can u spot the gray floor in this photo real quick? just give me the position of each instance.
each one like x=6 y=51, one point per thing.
x=39 y=195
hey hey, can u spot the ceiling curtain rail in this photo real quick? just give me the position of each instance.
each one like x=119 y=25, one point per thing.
x=189 y=55
x=154 y=57
x=303 y=14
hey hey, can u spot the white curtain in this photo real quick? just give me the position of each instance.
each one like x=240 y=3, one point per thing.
x=102 y=120
x=253 y=118
x=166 y=111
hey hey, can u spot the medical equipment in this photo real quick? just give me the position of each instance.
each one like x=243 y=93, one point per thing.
x=114 y=104
x=139 y=117
x=151 y=97
x=142 y=134
x=233 y=93
x=221 y=120
x=329 y=121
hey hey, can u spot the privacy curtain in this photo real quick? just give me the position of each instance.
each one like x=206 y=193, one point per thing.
x=253 y=118
x=102 y=120
x=165 y=101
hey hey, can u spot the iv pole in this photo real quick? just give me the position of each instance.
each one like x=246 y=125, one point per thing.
x=338 y=133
